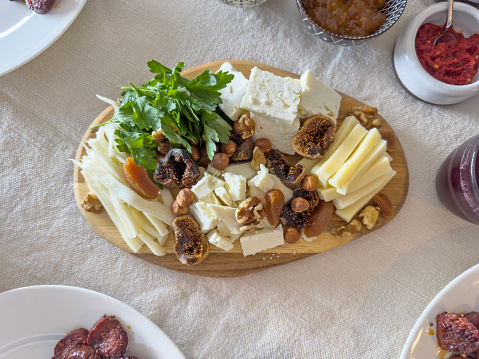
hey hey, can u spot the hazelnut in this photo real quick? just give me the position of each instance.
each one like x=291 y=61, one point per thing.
x=185 y=197
x=264 y=144
x=299 y=204
x=228 y=148
x=177 y=210
x=195 y=153
x=258 y=159
x=310 y=183
x=221 y=160
x=164 y=147
x=292 y=235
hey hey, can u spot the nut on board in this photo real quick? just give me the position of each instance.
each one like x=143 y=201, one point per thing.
x=191 y=245
x=300 y=219
x=314 y=137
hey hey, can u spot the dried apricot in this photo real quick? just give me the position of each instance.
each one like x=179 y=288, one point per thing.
x=138 y=180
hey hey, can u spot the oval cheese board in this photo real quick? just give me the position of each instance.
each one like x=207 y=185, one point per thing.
x=220 y=263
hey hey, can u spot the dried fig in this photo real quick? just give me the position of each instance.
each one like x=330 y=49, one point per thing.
x=314 y=137
x=278 y=165
x=191 y=245
x=301 y=219
x=177 y=169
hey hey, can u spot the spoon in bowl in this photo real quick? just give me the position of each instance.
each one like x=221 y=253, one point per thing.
x=445 y=36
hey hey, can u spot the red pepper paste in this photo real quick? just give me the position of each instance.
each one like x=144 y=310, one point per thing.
x=455 y=62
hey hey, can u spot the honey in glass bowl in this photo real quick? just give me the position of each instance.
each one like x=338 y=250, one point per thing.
x=457 y=181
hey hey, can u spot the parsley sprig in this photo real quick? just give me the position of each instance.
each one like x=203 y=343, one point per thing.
x=170 y=101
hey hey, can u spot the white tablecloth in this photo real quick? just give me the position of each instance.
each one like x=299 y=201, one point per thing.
x=359 y=300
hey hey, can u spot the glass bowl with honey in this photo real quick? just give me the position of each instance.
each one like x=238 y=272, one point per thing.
x=349 y=22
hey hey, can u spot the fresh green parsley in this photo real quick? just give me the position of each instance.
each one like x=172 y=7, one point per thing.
x=170 y=101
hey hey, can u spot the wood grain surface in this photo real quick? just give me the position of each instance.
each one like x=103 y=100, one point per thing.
x=220 y=263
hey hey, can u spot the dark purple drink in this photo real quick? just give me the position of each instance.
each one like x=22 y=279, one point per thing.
x=457 y=181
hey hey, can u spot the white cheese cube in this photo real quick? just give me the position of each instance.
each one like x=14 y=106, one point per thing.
x=279 y=135
x=242 y=168
x=225 y=197
x=232 y=95
x=212 y=199
x=254 y=191
x=317 y=98
x=215 y=238
x=255 y=240
x=287 y=192
x=262 y=180
x=206 y=186
x=205 y=217
x=236 y=186
x=213 y=170
x=220 y=211
x=225 y=230
x=272 y=96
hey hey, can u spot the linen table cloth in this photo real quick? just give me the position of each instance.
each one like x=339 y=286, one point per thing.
x=359 y=300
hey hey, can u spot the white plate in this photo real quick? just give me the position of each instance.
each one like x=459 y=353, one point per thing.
x=461 y=295
x=24 y=34
x=34 y=319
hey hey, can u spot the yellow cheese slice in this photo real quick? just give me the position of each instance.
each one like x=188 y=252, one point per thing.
x=348 y=213
x=327 y=194
x=379 y=168
x=367 y=162
x=347 y=170
x=326 y=170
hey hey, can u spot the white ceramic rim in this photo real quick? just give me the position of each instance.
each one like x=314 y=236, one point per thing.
x=411 y=49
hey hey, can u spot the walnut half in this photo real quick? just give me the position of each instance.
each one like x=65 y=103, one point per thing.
x=369 y=216
x=91 y=203
x=249 y=213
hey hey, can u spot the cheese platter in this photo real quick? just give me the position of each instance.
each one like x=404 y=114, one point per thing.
x=235 y=262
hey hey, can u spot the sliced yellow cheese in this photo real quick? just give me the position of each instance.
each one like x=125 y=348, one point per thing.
x=348 y=124
x=348 y=213
x=381 y=167
x=327 y=194
x=347 y=170
x=326 y=170
x=350 y=198
x=367 y=162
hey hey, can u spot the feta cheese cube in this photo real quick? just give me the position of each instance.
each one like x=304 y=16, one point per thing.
x=232 y=95
x=317 y=98
x=225 y=197
x=212 y=199
x=225 y=230
x=236 y=186
x=206 y=186
x=242 y=168
x=206 y=218
x=215 y=238
x=255 y=240
x=271 y=96
x=262 y=180
x=279 y=135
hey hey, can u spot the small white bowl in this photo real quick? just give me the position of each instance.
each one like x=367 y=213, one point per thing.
x=412 y=74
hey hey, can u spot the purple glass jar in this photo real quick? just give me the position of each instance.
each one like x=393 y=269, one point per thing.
x=457 y=181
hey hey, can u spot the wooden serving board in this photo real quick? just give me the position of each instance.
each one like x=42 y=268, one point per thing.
x=220 y=263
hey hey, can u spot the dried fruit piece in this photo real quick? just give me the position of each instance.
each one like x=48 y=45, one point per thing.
x=138 y=179
x=278 y=165
x=384 y=204
x=301 y=219
x=191 y=246
x=244 y=148
x=177 y=170
x=314 y=137
x=274 y=203
x=320 y=218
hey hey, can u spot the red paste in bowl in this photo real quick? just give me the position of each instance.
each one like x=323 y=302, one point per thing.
x=455 y=63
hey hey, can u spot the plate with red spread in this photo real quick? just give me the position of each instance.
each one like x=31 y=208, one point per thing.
x=35 y=319
x=461 y=295
x=24 y=33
